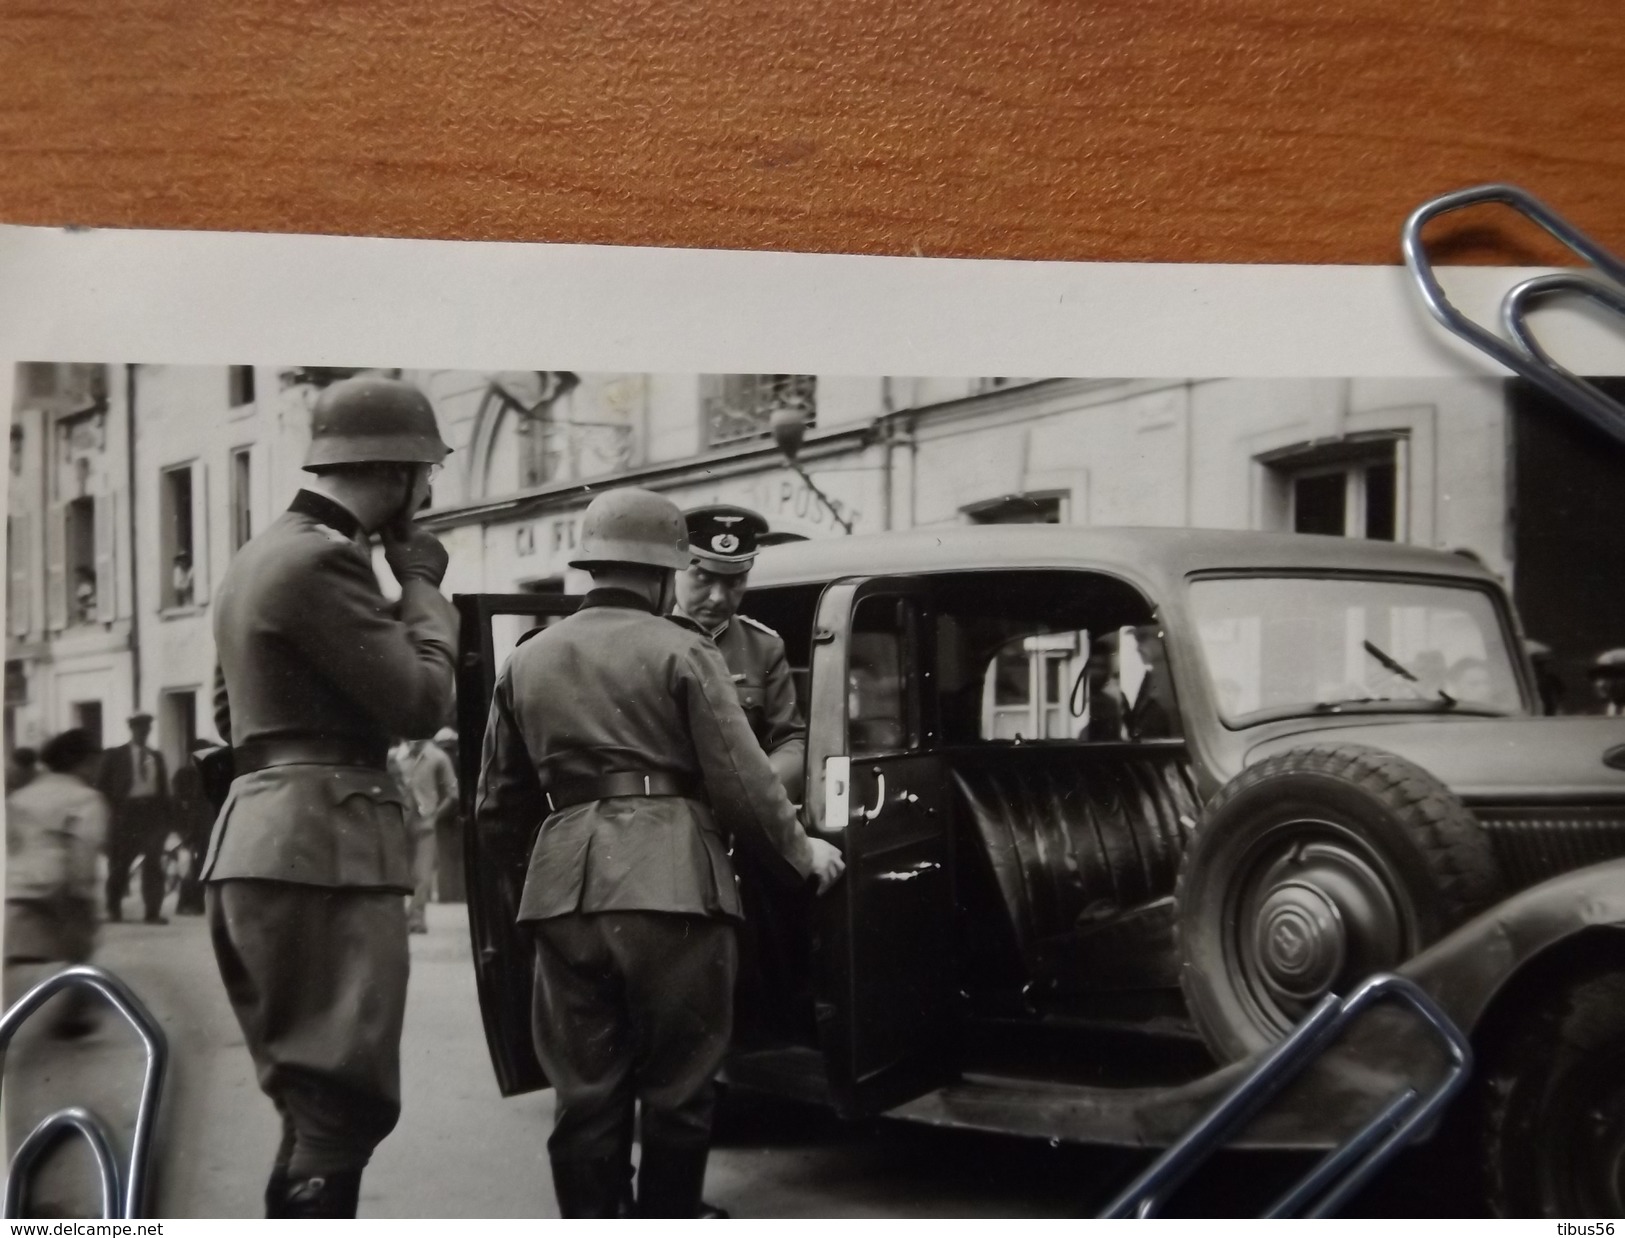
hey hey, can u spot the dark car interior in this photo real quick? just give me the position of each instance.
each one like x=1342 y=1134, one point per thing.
x=1047 y=695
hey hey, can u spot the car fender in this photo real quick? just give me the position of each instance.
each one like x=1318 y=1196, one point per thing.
x=1465 y=970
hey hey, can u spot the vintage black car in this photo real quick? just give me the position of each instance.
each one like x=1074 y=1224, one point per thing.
x=1119 y=806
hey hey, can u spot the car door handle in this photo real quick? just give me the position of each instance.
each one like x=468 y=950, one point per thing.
x=909 y=873
x=869 y=814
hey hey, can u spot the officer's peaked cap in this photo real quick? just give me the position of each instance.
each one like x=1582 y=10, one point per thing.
x=373 y=420
x=632 y=525
x=724 y=538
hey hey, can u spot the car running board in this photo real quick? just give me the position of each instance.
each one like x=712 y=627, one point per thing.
x=1348 y=1167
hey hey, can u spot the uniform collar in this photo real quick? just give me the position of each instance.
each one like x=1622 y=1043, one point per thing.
x=324 y=510
x=617 y=597
x=714 y=633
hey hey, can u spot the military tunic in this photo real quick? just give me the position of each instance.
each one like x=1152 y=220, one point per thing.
x=309 y=860
x=631 y=898
x=760 y=670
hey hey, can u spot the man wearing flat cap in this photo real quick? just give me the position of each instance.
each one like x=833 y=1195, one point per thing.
x=724 y=541
x=136 y=784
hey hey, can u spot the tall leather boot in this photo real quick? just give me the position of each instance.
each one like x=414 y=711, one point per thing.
x=670 y=1179
x=331 y=1196
x=591 y=1190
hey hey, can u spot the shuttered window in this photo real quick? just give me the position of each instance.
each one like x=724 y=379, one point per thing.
x=183 y=541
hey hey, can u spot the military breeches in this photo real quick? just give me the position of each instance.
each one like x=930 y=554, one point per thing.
x=317 y=978
x=632 y=1005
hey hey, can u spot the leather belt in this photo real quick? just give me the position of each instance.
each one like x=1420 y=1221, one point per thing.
x=569 y=792
x=258 y=754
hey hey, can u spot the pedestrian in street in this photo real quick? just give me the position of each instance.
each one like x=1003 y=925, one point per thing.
x=21 y=769
x=449 y=886
x=194 y=818
x=430 y=784
x=55 y=828
x=621 y=733
x=1548 y=680
x=135 y=781
x=774 y=981
x=310 y=856
x=1608 y=681
x=1107 y=708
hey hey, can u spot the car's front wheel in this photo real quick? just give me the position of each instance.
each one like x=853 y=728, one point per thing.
x=1553 y=1093
x=1310 y=871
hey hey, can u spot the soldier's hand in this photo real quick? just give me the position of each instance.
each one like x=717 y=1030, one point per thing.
x=416 y=556
x=827 y=863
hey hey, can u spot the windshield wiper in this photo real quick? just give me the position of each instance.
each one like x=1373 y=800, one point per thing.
x=1442 y=703
x=1393 y=664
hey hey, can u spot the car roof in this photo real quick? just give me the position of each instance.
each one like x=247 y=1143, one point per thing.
x=1155 y=556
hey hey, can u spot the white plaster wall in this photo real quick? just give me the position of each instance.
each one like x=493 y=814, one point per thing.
x=674 y=417
x=846 y=401
x=1456 y=430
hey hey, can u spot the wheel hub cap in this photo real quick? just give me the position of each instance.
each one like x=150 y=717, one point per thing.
x=1299 y=941
x=1318 y=909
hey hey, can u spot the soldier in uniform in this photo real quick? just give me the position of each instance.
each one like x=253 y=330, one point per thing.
x=311 y=856
x=773 y=983
x=622 y=734
x=724 y=541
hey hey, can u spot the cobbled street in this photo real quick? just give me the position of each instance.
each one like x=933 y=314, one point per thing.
x=462 y=1151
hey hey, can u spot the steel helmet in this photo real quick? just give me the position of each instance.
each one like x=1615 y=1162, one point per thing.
x=631 y=525
x=369 y=420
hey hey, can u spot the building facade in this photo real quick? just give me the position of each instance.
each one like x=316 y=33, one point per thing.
x=132 y=486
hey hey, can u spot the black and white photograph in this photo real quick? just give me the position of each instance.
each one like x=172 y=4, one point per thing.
x=654 y=793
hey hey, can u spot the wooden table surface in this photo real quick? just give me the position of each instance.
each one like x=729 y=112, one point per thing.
x=1180 y=130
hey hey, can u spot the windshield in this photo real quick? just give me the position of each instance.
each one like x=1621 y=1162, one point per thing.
x=1282 y=646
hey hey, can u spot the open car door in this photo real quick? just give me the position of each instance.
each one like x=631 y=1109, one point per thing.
x=491 y=625
x=883 y=958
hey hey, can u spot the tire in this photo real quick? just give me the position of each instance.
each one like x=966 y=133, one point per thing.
x=1553 y=1097
x=1310 y=871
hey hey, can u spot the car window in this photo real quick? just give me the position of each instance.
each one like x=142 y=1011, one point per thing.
x=882 y=706
x=1027 y=686
x=1100 y=687
x=1279 y=646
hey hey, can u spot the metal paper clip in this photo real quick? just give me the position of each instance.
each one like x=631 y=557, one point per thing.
x=1525 y=356
x=123 y=1196
x=1341 y=1173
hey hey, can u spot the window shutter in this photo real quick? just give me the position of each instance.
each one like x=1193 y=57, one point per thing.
x=106 y=558
x=200 y=533
x=56 y=567
x=21 y=552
